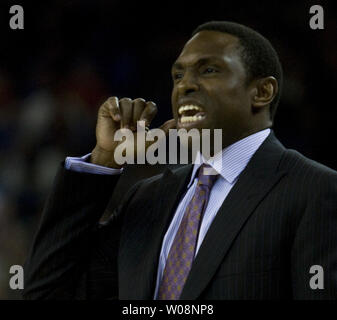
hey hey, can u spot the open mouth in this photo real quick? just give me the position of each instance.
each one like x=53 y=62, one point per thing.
x=190 y=114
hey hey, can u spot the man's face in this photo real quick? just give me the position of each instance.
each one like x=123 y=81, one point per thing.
x=210 y=88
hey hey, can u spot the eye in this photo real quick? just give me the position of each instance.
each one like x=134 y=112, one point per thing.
x=209 y=70
x=177 y=76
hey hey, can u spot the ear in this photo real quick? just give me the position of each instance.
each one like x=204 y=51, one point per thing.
x=263 y=92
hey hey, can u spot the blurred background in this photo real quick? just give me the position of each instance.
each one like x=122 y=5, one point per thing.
x=72 y=55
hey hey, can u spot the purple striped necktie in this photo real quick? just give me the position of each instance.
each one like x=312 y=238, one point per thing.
x=182 y=251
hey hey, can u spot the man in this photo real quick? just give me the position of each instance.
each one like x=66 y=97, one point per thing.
x=253 y=231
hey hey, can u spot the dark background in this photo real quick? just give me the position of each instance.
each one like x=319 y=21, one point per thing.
x=72 y=55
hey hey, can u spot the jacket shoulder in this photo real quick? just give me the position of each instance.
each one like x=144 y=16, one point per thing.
x=300 y=166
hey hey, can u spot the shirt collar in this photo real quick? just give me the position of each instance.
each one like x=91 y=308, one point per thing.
x=231 y=161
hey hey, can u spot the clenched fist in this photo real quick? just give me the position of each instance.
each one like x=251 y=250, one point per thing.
x=115 y=114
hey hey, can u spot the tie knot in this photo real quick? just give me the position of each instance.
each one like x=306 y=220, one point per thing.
x=207 y=175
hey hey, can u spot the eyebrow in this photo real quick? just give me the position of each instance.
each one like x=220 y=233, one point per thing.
x=201 y=61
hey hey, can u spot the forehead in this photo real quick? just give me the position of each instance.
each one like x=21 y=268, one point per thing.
x=209 y=43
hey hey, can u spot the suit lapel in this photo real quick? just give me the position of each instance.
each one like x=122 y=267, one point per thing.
x=137 y=281
x=253 y=184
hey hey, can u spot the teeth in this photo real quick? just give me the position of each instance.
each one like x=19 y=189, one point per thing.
x=188 y=107
x=190 y=119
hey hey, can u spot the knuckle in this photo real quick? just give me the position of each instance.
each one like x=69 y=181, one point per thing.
x=125 y=99
x=139 y=100
x=151 y=103
x=153 y=108
x=111 y=103
x=112 y=99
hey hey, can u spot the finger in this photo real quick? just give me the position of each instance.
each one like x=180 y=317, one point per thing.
x=113 y=107
x=138 y=107
x=149 y=113
x=166 y=126
x=125 y=105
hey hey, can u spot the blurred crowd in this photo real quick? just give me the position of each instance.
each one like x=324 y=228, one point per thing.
x=49 y=102
x=36 y=133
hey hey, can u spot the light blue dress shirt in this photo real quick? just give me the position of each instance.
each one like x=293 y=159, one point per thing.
x=229 y=164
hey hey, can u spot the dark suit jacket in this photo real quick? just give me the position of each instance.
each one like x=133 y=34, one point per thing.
x=278 y=220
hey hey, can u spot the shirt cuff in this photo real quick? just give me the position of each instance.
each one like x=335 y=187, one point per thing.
x=80 y=164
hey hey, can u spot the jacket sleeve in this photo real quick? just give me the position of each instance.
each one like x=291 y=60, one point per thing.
x=73 y=256
x=314 y=252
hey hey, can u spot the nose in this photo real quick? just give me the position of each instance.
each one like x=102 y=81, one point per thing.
x=188 y=84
